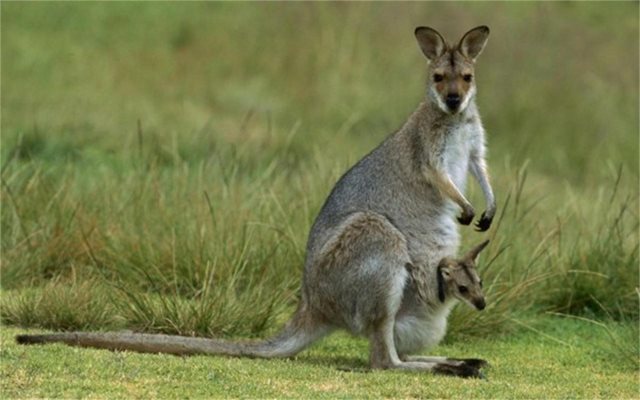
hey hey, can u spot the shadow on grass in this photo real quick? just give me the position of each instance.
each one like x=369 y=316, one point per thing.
x=342 y=363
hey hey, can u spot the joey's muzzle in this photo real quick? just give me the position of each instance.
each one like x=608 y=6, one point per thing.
x=479 y=304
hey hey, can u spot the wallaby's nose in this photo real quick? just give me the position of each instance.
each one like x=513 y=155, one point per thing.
x=480 y=304
x=453 y=101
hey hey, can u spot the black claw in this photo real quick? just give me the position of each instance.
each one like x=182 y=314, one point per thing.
x=483 y=223
x=465 y=219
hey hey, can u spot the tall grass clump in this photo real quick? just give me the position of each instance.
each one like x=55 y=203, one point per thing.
x=599 y=266
x=183 y=252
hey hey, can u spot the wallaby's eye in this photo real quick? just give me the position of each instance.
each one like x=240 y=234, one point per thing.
x=467 y=77
x=438 y=77
x=462 y=289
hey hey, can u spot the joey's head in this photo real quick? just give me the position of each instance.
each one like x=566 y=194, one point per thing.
x=451 y=80
x=459 y=279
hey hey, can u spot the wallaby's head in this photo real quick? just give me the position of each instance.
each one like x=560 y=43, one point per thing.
x=459 y=278
x=451 y=80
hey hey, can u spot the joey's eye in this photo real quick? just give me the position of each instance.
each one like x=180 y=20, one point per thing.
x=467 y=77
x=438 y=77
x=462 y=289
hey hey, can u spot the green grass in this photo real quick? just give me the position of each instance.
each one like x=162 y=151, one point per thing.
x=567 y=362
x=161 y=173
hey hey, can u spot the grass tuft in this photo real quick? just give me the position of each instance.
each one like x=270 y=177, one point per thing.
x=60 y=305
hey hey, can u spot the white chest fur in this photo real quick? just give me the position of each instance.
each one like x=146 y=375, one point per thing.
x=457 y=146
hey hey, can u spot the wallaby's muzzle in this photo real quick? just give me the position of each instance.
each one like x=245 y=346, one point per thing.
x=453 y=101
x=479 y=304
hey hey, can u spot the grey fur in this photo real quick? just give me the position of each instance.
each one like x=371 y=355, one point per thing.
x=373 y=252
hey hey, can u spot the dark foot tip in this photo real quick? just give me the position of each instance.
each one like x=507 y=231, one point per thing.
x=465 y=219
x=25 y=339
x=463 y=370
x=473 y=362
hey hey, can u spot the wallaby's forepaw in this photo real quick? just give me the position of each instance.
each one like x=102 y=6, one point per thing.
x=483 y=223
x=466 y=217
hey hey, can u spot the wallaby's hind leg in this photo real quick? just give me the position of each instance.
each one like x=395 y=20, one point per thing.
x=385 y=356
x=382 y=347
x=359 y=275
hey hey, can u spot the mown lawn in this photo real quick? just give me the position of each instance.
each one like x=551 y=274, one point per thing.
x=570 y=361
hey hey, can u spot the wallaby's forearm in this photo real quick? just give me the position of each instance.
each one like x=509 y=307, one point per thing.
x=478 y=168
x=443 y=183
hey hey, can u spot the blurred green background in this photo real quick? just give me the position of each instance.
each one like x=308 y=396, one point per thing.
x=162 y=162
x=557 y=84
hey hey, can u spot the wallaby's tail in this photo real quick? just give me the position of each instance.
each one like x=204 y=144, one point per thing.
x=300 y=332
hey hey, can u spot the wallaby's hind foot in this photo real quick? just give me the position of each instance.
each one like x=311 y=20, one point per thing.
x=451 y=367
x=462 y=367
x=462 y=370
x=465 y=367
x=474 y=362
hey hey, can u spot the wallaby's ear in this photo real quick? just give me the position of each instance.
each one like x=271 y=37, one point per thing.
x=473 y=253
x=473 y=42
x=431 y=42
x=443 y=270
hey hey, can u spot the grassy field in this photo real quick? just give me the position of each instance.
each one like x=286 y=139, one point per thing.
x=162 y=164
x=570 y=362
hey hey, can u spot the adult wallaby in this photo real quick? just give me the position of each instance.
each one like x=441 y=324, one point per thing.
x=377 y=257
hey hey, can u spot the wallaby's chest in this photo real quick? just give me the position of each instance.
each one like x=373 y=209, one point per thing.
x=455 y=151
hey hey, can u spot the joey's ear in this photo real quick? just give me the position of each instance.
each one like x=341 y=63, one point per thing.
x=473 y=253
x=473 y=42
x=443 y=271
x=431 y=42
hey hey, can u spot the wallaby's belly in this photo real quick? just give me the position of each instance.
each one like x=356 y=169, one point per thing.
x=421 y=330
